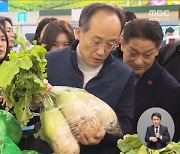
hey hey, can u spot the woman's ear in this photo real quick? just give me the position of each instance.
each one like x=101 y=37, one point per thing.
x=78 y=32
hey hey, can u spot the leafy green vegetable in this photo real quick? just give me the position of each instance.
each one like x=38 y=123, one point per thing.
x=22 y=77
x=131 y=144
x=124 y=146
x=134 y=151
x=132 y=140
x=21 y=39
x=7 y=146
x=10 y=127
x=29 y=152
x=142 y=150
x=172 y=147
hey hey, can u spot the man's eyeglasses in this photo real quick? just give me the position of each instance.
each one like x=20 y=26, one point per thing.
x=108 y=46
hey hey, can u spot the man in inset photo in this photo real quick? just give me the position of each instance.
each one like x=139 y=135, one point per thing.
x=157 y=135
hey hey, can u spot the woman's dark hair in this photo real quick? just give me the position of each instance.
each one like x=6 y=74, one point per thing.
x=143 y=29
x=7 y=49
x=54 y=29
x=91 y=9
x=3 y=19
x=40 y=27
x=156 y=114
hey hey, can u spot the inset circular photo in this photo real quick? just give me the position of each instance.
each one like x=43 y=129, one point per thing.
x=155 y=128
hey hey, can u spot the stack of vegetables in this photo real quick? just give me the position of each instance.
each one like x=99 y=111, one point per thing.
x=66 y=111
x=131 y=144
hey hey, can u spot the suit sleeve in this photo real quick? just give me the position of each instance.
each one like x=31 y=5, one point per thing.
x=165 y=136
x=125 y=110
x=147 y=135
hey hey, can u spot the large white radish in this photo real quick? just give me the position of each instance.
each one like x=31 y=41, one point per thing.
x=78 y=115
x=57 y=131
x=84 y=104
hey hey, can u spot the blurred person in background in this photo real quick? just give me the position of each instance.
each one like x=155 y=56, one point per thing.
x=7 y=23
x=4 y=45
x=58 y=35
x=155 y=87
x=128 y=16
x=4 y=50
x=169 y=58
x=41 y=28
x=169 y=32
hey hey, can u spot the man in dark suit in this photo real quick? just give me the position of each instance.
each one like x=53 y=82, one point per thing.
x=89 y=64
x=169 y=58
x=157 y=135
x=155 y=87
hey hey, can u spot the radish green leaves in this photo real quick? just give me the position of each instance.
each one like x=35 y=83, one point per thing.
x=22 y=77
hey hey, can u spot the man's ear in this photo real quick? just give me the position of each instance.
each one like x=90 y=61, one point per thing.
x=122 y=44
x=157 y=52
x=78 y=32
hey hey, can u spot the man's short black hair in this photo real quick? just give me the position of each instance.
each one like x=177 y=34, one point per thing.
x=143 y=29
x=170 y=30
x=156 y=114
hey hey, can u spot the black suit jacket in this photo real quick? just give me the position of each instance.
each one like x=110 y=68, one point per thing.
x=157 y=88
x=169 y=58
x=161 y=143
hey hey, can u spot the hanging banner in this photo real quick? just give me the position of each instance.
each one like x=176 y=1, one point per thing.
x=158 y=2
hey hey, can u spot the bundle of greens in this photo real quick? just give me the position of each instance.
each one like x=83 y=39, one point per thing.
x=131 y=144
x=22 y=77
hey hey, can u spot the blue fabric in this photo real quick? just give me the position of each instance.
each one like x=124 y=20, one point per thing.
x=114 y=84
x=28 y=127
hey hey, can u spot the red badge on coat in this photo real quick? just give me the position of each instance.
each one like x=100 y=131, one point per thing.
x=149 y=82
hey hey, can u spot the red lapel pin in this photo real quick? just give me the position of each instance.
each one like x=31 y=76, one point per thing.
x=149 y=82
